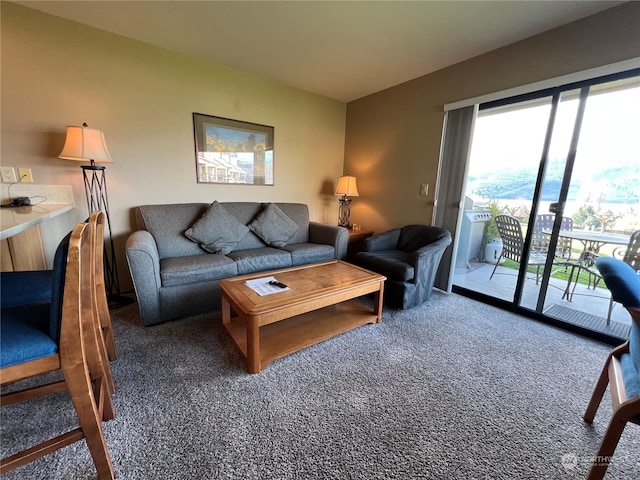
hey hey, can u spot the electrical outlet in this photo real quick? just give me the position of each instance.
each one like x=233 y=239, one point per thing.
x=424 y=189
x=25 y=175
x=8 y=174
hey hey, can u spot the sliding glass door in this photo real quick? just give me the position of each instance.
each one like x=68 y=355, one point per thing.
x=549 y=173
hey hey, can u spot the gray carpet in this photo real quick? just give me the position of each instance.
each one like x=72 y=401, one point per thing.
x=453 y=389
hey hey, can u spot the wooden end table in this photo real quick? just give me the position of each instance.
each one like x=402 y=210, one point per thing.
x=356 y=242
x=318 y=306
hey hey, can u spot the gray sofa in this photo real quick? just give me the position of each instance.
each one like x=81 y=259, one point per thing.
x=175 y=272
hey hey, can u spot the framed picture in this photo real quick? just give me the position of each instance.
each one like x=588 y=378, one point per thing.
x=232 y=152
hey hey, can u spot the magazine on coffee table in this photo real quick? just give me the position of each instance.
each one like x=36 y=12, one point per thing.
x=266 y=286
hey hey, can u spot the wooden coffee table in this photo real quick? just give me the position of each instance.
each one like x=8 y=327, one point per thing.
x=318 y=306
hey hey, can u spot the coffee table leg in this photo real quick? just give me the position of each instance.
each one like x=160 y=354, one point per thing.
x=253 y=345
x=377 y=302
x=226 y=311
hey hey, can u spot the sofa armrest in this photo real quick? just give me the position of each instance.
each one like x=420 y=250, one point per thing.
x=383 y=241
x=335 y=236
x=144 y=265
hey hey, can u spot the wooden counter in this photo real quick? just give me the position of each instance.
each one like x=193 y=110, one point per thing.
x=21 y=246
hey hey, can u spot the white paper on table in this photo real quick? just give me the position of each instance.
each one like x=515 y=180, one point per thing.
x=262 y=286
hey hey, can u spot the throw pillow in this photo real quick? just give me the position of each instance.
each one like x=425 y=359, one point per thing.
x=217 y=231
x=273 y=226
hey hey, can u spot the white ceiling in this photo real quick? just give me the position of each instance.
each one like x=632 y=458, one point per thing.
x=340 y=49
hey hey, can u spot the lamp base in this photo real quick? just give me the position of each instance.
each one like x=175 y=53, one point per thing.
x=344 y=212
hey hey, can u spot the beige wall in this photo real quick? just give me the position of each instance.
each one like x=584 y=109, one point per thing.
x=57 y=73
x=393 y=137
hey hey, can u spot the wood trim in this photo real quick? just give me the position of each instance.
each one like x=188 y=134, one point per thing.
x=29 y=369
x=27 y=252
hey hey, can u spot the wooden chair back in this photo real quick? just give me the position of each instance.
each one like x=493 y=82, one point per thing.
x=97 y=221
x=82 y=360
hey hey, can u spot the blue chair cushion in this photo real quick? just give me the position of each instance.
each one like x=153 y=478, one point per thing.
x=29 y=287
x=621 y=280
x=631 y=376
x=57 y=287
x=624 y=284
x=631 y=362
x=25 y=287
x=24 y=334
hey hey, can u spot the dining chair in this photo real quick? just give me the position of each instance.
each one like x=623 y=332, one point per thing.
x=62 y=335
x=630 y=256
x=35 y=286
x=588 y=263
x=512 y=244
x=621 y=371
x=541 y=238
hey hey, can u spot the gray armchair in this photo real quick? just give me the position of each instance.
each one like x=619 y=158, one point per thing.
x=409 y=257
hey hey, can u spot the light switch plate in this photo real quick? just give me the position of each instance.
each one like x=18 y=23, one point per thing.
x=424 y=189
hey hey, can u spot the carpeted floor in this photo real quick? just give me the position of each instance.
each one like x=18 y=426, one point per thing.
x=453 y=389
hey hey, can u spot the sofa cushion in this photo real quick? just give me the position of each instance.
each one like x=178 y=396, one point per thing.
x=299 y=213
x=217 y=231
x=167 y=224
x=195 y=269
x=393 y=264
x=304 y=253
x=260 y=259
x=273 y=226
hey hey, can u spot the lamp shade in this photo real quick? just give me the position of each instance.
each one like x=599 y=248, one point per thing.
x=347 y=186
x=83 y=143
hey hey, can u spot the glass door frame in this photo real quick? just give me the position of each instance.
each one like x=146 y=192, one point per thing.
x=556 y=208
x=515 y=305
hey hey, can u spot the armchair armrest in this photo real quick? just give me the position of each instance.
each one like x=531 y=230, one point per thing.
x=383 y=241
x=426 y=260
x=335 y=236
x=144 y=265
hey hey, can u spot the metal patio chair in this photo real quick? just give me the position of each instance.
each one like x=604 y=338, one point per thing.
x=512 y=244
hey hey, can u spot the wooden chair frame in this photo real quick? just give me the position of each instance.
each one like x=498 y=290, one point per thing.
x=97 y=221
x=624 y=409
x=82 y=359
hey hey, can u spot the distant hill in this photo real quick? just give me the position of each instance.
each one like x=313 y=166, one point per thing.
x=621 y=183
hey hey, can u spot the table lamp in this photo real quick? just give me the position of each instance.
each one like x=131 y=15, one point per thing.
x=346 y=188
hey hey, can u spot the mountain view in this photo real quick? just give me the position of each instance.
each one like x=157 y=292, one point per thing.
x=621 y=184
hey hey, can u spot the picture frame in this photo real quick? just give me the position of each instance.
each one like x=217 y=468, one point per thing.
x=233 y=152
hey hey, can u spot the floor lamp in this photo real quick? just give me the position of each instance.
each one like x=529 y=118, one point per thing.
x=346 y=188
x=88 y=144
